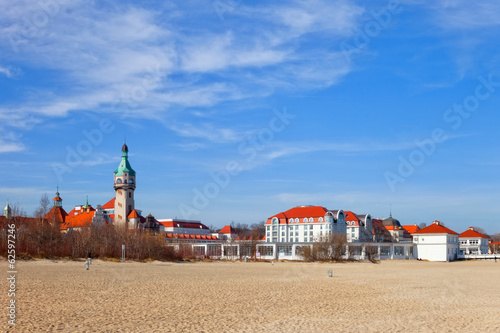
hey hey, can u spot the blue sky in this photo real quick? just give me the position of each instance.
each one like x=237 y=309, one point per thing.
x=237 y=110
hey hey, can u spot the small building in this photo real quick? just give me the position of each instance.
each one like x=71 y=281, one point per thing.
x=56 y=214
x=436 y=243
x=473 y=242
x=180 y=226
x=227 y=233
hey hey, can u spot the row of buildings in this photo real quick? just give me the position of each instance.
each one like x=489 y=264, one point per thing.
x=286 y=233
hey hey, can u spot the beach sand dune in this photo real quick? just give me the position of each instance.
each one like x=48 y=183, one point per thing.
x=393 y=296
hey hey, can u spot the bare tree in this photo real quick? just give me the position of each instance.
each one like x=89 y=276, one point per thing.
x=328 y=248
x=44 y=207
x=422 y=225
x=480 y=230
x=496 y=237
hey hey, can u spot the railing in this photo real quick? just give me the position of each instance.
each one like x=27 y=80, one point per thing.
x=479 y=256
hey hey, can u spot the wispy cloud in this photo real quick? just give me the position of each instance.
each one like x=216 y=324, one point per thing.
x=8 y=147
x=277 y=150
x=5 y=71
x=461 y=15
x=147 y=62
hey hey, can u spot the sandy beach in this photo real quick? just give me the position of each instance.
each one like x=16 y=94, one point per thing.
x=393 y=296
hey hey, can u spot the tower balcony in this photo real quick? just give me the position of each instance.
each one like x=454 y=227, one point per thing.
x=124 y=186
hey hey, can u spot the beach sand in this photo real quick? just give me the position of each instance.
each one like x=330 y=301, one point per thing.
x=393 y=296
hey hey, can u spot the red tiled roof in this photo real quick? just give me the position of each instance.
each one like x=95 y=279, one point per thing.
x=351 y=217
x=227 y=230
x=78 y=221
x=110 y=204
x=435 y=228
x=472 y=233
x=307 y=211
x=411 y=228
x=56 y=214
x=133 y=215
x=299 y=212
x=73 y=211
x=391 y=227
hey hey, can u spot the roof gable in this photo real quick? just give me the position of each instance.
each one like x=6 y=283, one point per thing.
x=303 y=211
x=227 y=230
x=110 y=204
x=411 y=228
x=472 y=233
x=436 y=228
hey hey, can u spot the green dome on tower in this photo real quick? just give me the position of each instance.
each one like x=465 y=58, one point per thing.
x=124 y=164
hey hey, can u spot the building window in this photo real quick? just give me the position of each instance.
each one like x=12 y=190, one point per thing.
x=320 y=219
x=311 y=220
x=305 y=219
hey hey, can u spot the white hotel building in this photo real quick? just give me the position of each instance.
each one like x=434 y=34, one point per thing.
x=304 y=224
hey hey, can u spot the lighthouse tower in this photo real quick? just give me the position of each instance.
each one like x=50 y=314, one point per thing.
x=124 y=184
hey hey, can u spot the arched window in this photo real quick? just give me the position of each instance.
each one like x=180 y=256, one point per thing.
x=131 y=181
x=311 y=220
x=275 y=220
x=320 y=219
x=305 y=219
x=119 y=181
x=297 y=220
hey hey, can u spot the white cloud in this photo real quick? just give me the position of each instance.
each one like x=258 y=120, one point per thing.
x=10 y=142
x=464 y=15
x=9 y=147
x=5 y=71
x=152 y=61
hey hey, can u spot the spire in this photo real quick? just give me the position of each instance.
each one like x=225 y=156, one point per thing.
x=87 y=203
x=124 y=164
x=57 y=201
x=7 y=210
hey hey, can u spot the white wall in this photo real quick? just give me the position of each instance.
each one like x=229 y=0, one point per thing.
x=440 y=247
